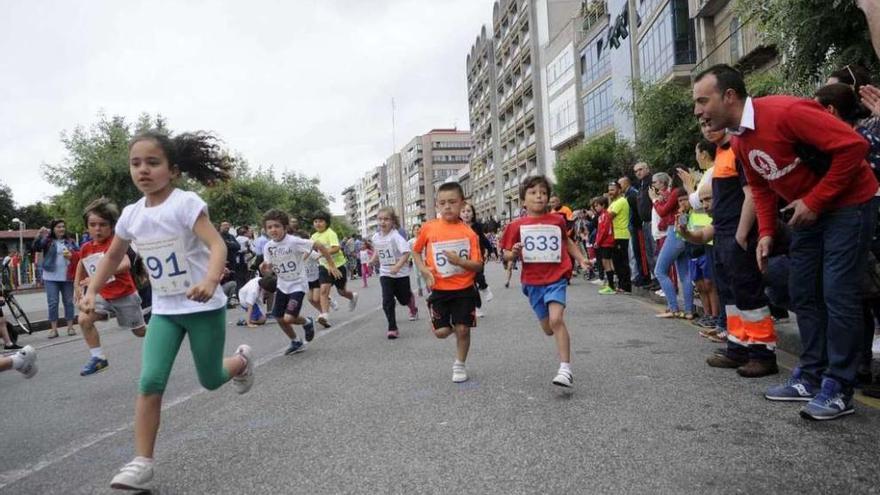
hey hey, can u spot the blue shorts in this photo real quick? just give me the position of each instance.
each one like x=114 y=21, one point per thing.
x=700 y=268
x=257 y=312
x=540 y=296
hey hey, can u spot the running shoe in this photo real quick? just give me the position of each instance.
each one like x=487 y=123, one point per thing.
x=295 y=347
x=487 y=295
x=607 y=291
x=309 y=329
x=795 y=389
x=459 y=373
x=94 y=365
x=563 y=379
x=322 y=319
x=28 y=357
x=830 y=403
x=353 y=302
x=12 y=347
x=480 y=313
x=135 y=475
x=241 y=322
x=243 y=381
x=333 y=304
x=414 y=315
x=392 y=334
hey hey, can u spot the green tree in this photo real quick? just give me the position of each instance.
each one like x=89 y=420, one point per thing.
x=341 y=226
x=7 y=207
x=36 y=215
x=813 y=36
x=666 y=129
x=584 y=172
x=96 y=165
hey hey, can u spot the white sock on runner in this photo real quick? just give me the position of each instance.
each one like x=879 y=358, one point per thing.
x=97 y=352
x=17 y=362
x=565 y=367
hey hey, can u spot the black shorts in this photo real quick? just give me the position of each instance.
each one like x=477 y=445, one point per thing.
x=395 y=288
x=606 y=253
x=325 y=278
x=453 y=307
x=289 y=304
x=315 y=284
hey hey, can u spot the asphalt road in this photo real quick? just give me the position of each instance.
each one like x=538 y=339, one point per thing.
x=357 y=413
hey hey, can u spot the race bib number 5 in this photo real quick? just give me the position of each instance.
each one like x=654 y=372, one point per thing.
x=541 y=243
x=91 y=263
x=166 y=262
x=444 y=267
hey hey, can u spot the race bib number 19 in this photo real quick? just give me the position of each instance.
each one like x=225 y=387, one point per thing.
x=444 y=267
x=167 y=265
x=541 y=243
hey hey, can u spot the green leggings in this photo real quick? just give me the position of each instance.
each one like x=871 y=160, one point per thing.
x=207 y=337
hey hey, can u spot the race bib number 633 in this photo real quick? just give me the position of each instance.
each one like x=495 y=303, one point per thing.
x=541 y=243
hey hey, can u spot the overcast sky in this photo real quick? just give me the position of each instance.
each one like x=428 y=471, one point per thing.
x=300 y=84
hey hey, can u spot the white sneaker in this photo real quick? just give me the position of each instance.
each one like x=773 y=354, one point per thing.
x=28 y=357
x=563 y=379
x=414 y=316
x=486 y=294
x=333 y=304
x=353 y=302
x=659 y=292
x=322 y=319
x=480 y=313
x=459 y=373
x=244 y=380
x=875 y=348
x=133 y=476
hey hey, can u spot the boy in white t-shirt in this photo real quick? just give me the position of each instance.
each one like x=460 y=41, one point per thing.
x=392 y=252
x=285 y=255
x=250 y=296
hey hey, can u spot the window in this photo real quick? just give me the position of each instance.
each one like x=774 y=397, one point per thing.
x=598 y=109
x=560 y=70
x=735 y=37
x=655 y=49
x=597 y=62
x=683 y=33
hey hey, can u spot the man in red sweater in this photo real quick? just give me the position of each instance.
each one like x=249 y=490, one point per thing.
x=791 y=148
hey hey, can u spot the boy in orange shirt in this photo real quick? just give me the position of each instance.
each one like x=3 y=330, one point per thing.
x=453 y=258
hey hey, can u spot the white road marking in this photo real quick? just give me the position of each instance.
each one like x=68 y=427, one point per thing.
x=59 y=454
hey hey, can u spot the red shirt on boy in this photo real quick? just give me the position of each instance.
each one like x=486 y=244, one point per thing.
x=120 y=285
x=605 y=231
x=545 y=251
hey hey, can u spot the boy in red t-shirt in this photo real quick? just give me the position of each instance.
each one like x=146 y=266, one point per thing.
x=453 y=258
x=539 y=240
x=118 y=297
x=605 y=243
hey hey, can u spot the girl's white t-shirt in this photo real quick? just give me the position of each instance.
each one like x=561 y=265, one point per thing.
x=312 y=266
x=176 y=259
x=391 y=248
x=288 y=258
x=364 y=256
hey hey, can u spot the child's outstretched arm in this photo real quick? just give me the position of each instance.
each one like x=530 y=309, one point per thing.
x=576 y=253
x=203 y=290
x=328 y=255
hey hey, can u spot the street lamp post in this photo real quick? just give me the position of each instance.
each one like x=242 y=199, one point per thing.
x=21 y=226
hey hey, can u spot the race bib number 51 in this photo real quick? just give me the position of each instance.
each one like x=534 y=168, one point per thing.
x=386 y=254
x=541 y=243
x=166 y=262
x=444 y=267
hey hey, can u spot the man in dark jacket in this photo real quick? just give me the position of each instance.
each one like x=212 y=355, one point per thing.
x=645 y=206
x=637 y=263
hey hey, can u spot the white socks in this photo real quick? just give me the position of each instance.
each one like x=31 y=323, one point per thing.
x=17 y=361
x=565 y=367
x=97 y=352
x=146 y=460
x=458 y=363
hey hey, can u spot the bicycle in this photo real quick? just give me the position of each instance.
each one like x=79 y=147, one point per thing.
x=18 y=314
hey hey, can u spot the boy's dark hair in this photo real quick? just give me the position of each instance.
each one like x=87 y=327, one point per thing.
x=241 y=230
x=103 y=208
x=708 y=147
x=323 y=215
x=268 y=283
x=197 y=154
x=277 y=215
x=451 y=186
x=535 y=180
x=600 y=200
x=727 y=78
x=844 y=100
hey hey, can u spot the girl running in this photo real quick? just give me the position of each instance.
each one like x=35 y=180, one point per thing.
x=424 y=290
x=392 y=252
x=469 y=217
x=365 y=255
x=185 y=256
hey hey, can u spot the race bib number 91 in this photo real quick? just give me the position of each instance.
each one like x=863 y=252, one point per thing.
x=444 y=267
x=167 y=265
x=541 y=243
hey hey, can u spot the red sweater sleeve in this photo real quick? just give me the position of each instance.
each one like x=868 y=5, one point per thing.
x=667 y=207
x=763 y=197
x=807 y=122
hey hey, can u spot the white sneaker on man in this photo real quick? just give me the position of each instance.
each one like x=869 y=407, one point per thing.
x=486 y=294
x=353 y=302
x=244 y=380
x=135 y=475
x=25 y=361
x=459 y=373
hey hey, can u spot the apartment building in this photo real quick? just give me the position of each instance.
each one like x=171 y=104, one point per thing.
x=374 y=186
x=724 y=38
x=428 y=160
x=352 y=209
x=485 y=167
x=394 y=183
